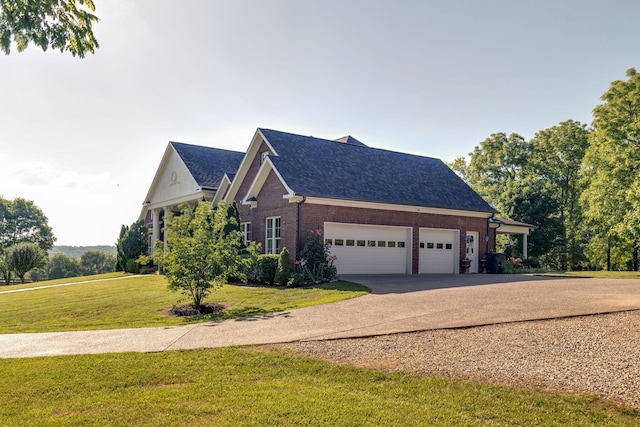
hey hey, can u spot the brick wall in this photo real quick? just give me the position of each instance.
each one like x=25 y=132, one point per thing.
x=314 y=217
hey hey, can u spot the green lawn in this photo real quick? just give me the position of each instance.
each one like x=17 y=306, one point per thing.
x=597 y=274
x=257 y=387
x=143 y=301
x=63 y=281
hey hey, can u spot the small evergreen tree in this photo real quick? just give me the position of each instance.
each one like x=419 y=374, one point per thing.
x=132 y=243
x=285 y=269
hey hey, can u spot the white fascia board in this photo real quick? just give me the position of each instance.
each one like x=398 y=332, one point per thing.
x=513 y=229
x=261 y=178
x=156 y=178
x=247 y=160
x=193 y=197
x=397 y=208
x=224 y=185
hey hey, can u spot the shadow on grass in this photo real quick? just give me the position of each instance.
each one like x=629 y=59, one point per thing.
x=253 y=313
x=242 y=314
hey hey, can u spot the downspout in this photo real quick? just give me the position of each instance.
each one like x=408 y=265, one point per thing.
x=299 y=231
x=488 y=235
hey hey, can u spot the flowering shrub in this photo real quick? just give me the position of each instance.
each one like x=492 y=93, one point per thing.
x=316 y=262
x=514 y=265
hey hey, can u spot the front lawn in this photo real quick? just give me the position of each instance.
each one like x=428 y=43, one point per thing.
x=597 y=274
x=259 y=387
x=144 y=301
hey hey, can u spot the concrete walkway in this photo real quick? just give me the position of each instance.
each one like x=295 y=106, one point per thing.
x=396 y=304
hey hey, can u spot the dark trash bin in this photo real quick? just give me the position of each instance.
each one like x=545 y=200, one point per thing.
x=494 y=262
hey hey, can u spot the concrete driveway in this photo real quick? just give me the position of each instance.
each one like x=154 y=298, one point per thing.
x=397 y=304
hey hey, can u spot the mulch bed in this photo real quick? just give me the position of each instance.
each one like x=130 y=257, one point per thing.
x=192 y=310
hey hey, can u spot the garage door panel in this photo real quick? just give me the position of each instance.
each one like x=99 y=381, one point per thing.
x=437 y=251
x=364 y=249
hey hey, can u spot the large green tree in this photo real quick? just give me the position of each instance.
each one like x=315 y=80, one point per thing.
x=612 y=175
x=199 y=256
x=556 y=161
x=66 y=25
x=496 y=168
x=536 y=182
x=21 y=221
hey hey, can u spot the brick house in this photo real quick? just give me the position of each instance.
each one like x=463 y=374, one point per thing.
x=382 y=212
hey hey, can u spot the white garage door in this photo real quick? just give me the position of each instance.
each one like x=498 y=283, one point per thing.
x=438 y=251
x=369 y=249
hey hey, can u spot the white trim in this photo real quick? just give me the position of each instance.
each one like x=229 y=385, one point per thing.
x=247 y=160
x=243 y=228
x=223 y=187
x=513 y=229
x=261 y=178
x=392 y=207
x=193 y=197
x=276 y=240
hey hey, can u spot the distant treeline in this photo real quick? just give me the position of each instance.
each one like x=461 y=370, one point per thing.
x=77 y=251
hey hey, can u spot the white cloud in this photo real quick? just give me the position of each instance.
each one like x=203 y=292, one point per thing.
x=46 y=174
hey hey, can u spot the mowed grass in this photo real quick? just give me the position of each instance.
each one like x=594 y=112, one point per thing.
x=597 y=274
x=261 y=387
x=114 y=275
x=144 y=301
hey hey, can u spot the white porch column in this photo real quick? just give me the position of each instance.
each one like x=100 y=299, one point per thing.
x=166 y=212
x=524 y=246
x=155 y=232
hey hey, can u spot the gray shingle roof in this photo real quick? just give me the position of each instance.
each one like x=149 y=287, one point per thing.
x=319 y=167
x=208 y=165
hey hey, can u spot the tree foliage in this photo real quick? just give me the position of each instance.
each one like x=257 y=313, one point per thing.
x=199 y=256
x=556 y=161
x=61 y=266
x=65 y=25
x=536 y=182
x=132 y=243
x=21 y=221
x=24 y=257
x=96 y=262
x=611 y=173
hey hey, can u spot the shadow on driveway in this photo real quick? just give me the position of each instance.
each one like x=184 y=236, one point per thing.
x=404 y=283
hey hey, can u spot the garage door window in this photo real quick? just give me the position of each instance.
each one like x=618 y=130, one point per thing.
x=273 y=235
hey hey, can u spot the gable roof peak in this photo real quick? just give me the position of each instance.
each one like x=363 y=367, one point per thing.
x=350 y=140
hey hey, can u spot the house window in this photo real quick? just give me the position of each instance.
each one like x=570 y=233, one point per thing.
x=273 y=235
x=246 y=233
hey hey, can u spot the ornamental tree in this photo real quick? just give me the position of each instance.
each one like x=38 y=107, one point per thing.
x=199 y=256
x=24 y=257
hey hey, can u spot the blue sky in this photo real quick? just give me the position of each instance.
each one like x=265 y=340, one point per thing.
x=83 y=138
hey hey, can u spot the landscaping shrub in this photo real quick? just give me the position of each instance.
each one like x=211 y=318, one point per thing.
x=267 y=267
x=316 y=262
x=284 y=269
